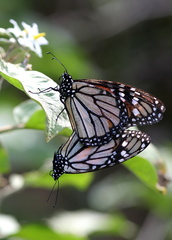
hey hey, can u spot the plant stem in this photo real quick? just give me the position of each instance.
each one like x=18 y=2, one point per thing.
x=9 y=128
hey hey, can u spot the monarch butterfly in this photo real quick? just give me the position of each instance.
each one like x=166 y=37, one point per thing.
x=73 y=157
x=100 y=110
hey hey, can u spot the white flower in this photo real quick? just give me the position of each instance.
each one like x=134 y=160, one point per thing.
x=29 y=37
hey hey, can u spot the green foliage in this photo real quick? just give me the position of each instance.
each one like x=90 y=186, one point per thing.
x=30 y=114
x=144 y=170
x=42 y=179
x=38 y=231
x=4 y=160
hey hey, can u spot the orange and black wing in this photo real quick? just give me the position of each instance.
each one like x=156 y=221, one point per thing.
x=99 y=110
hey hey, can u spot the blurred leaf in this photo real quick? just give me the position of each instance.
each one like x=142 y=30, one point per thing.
x=92 y=223
x=30 y=82
x=159 y=203
x=117 y=224
x=38 y=179
x=153 y=154
x=66 y=132
x=116 y=191
x=80 y=181
x=144 y=170
x=4 y=33
x=25 y=110
x=4 y=160
x=37 y=120
x=120 y=225
x=30 y=114
x=38 y=231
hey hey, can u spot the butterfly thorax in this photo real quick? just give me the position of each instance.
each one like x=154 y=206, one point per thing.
x=66 y=87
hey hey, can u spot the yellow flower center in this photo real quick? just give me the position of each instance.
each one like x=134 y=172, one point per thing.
x=35 y=36
x=39 y=35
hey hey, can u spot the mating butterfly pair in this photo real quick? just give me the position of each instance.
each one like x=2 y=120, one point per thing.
x=99 y=112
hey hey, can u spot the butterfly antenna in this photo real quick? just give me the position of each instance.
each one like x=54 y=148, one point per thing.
x=57 y=193
x=54 y=57
x=51 y=191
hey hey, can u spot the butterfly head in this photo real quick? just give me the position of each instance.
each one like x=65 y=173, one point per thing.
x=58 y=166
x=67 y=78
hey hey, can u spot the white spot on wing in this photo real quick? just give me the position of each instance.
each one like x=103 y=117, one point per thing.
x=124 y=144
x=123 y=153
x=135 y=112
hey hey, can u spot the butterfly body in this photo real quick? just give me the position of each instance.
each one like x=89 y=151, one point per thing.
x=100 y=110
x=73 y=157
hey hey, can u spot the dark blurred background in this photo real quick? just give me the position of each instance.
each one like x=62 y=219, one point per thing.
x=119 y=40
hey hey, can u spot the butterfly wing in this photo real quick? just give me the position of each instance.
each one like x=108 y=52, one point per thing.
x=142 y=107
x=101 y=109
x=75 y=158
x=95 y=115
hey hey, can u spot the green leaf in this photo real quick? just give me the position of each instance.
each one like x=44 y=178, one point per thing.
x=66 y=132
x=43 y=179
x=38 y=231
x=37 y=121
x=30 y=114
x=38 y=179
x=4 y=160
x=144 y=170
x=80 y=181
x=30 y=82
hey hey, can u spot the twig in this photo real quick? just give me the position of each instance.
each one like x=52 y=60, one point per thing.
x=9 y=128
